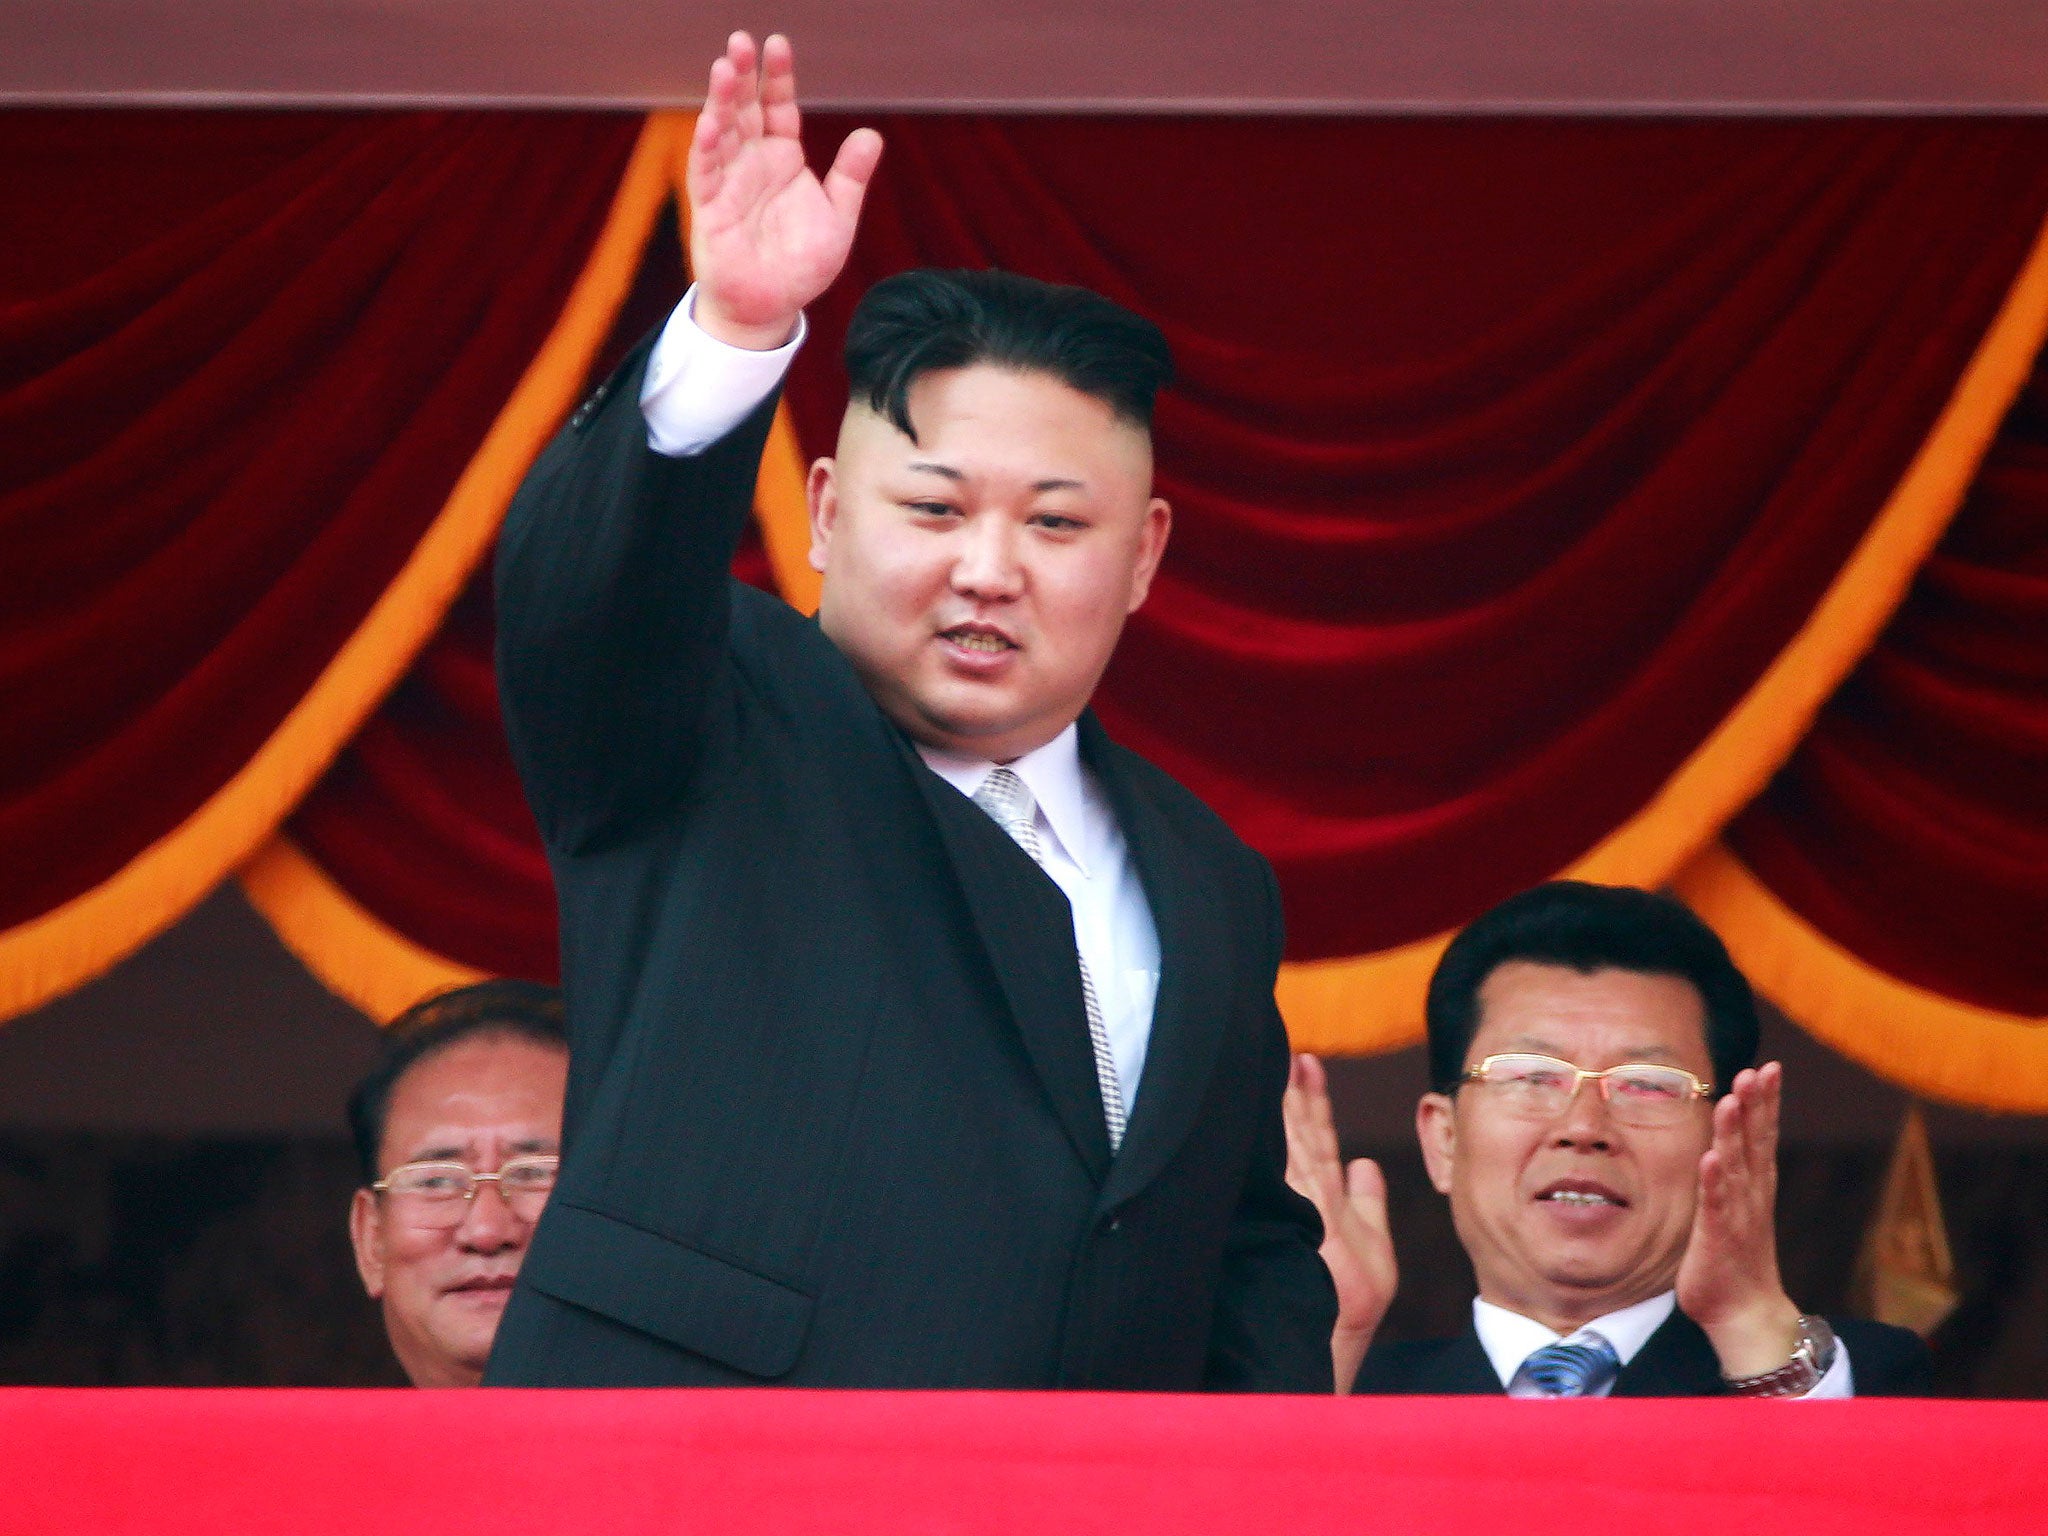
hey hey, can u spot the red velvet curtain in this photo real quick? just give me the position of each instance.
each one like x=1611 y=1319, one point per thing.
x=243 y=359
x=1505 y=455
x=421 y=820
x=1912 y=826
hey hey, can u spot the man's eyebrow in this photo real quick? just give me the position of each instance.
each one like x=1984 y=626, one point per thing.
x=924 y=466
x=1058 y=485
x=447 y=1154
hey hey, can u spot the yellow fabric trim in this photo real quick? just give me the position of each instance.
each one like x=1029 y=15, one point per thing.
x=1374 y=1003
x=782 y=509
x=358 y=958
x=55 y=952
x=1931 y=1045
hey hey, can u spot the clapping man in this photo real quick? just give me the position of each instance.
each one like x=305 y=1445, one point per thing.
x=1610 y=1154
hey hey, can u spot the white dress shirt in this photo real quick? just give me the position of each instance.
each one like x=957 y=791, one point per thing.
x=1087 y=858
x=1510 y=1338
x=696 y=390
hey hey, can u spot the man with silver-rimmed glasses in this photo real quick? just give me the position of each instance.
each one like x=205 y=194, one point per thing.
x=458 y=1129
x=1610 y=1154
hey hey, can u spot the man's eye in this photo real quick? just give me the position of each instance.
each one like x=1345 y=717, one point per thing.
x=1059 y=522
x=932 y=508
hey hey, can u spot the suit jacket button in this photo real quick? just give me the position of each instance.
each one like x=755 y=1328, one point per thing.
x=1116 y=1223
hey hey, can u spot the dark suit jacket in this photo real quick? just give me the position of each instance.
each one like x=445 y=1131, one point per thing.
x=832 y=1113
x=1676 y=1361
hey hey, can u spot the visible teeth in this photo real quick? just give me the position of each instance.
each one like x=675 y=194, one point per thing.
x=980 y=642
x=1578 y=1197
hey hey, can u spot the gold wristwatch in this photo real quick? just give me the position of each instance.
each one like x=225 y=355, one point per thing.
x=1811 y=1358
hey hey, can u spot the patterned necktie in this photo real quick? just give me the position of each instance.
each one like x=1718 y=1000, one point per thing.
x=1007 y=800
x=1581 y=1366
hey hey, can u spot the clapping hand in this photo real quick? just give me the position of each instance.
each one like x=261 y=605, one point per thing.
x=1728 y=1280
x=1358 y=1247
x=766 y=235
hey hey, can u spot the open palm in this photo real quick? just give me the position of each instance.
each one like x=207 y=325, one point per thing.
x=767 y=236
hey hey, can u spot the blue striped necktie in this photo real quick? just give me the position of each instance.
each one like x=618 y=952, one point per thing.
x=1580 y=1366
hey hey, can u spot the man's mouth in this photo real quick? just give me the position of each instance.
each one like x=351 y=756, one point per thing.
x=1580 y=1194
x=485 y=1285
x=982 y=639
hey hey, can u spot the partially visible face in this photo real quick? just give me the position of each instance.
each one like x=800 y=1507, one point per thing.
x=479 y=1101
x=1569 y=1219
x=979 y=577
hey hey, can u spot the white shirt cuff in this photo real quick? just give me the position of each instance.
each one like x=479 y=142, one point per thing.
x=697 y=388
x=1840 y=1380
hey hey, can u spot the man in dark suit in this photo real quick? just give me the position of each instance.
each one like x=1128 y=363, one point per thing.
x=920 y=1034
x=1610 y=1154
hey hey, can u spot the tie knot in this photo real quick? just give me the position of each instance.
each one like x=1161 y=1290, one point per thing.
x=1581 y=1366
x=1006 y=799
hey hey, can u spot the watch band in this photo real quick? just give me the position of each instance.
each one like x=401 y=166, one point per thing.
x=1811 y=1358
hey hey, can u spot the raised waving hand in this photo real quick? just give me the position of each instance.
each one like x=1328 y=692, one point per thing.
x=767 y=236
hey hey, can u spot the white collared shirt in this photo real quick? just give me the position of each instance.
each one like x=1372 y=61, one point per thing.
x=696 y=390
x=1510 y=1338
x=1087 y=857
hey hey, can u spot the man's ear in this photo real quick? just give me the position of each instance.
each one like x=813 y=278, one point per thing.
x=1151 y=550
x=366 y=1236
x=821 y=489
x=1436 y=1127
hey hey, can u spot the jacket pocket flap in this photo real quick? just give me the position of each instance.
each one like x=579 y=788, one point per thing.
x=677 y=1293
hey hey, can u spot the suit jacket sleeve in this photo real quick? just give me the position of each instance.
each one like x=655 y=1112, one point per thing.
x=614 y=604
x=1276 y=1306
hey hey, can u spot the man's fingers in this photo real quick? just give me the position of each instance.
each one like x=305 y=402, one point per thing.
x=1365 y=1186
x=846 y=184
x=779 y=114
x=1764 y=1121
x=745 y=58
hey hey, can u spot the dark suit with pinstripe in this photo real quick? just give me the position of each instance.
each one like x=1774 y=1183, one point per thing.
x=832 y=1113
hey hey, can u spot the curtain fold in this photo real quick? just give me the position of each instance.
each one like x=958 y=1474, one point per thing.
x=1506 y=456
x=1536 y=483
x=257 y=424
x=1890 y=889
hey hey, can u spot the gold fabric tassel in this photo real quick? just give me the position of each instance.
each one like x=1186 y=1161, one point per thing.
x=1905 y=1273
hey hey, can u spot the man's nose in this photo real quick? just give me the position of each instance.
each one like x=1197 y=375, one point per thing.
x=1586 y=1121
x=490 y=1225
x=986 y=562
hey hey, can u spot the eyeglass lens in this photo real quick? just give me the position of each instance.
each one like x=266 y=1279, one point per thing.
x=1637 y=1093
x=440 y=1194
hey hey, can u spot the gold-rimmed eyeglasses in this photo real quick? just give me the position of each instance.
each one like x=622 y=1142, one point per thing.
x=439 y=1194
x=1640 y=1093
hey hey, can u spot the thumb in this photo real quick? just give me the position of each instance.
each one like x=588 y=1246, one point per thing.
x=846 y=184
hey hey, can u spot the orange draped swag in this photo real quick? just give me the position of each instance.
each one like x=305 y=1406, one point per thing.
x=1538 y=485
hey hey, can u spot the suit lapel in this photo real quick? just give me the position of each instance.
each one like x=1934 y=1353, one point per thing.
x=1463 y=1370
x=1195 y=971
x=1027 y=928
x=1678 y=1360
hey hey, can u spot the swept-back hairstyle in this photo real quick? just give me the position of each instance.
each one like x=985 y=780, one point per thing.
x=524 y=1009
x=1590 y=928
x=917 y=322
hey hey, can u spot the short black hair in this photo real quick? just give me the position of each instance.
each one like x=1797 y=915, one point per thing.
x=525 y=1009
x=1589 y=928
x=918 y=322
